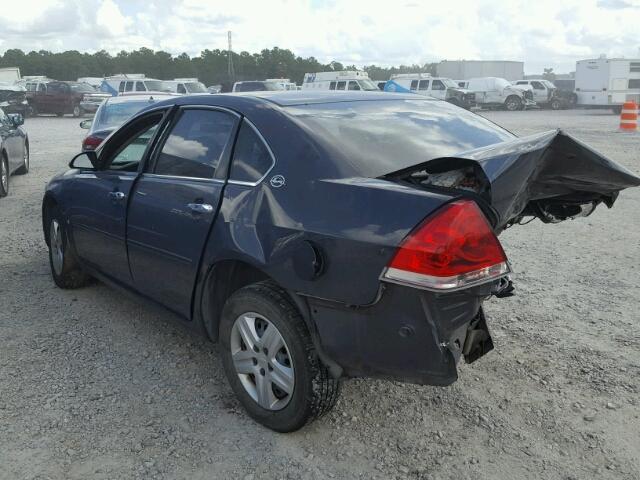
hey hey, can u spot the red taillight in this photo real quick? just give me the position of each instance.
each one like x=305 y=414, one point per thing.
x=451 y=249
x=91 y=143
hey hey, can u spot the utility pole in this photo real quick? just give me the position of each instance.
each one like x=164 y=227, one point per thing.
x=230 y=71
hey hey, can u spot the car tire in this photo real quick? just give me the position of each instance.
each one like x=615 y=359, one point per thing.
x=556 y=104
x=4 y=177
x=24 y=169
x=263 y=314
x=65 y=269
x=77 y=111
x=513 y=103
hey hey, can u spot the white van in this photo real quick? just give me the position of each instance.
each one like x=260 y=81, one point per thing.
x=495 y=92
x=184 y=86
x=437 y=87
x=345 y=80
x=120 y=84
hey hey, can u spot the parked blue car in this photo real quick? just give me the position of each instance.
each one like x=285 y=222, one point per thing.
x=316 y=235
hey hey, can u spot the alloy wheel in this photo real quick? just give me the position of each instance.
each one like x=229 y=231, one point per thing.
x=57 y=248
x=262 y=361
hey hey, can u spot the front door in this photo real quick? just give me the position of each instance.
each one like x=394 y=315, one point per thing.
x=174 y=204
x=438 y=89
x=540 y=92
x=12 y=141
x=98 y=214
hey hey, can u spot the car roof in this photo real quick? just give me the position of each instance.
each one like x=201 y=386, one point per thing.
x=139 y=97
x=286 y=98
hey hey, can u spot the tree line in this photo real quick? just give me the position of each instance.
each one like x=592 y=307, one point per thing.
x=211 y=66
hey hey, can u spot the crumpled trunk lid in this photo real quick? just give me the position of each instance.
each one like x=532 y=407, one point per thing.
x=551 y=176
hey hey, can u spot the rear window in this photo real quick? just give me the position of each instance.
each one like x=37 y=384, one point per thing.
x=380 y=137
x=112 y=115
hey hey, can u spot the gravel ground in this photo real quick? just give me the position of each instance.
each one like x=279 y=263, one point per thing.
x=95 y=385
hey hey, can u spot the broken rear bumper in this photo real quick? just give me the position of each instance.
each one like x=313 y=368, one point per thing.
x=408 y=335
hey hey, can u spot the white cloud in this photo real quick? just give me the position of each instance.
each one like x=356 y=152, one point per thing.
x=544 y=33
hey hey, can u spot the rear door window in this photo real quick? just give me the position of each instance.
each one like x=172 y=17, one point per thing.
x=196 y=143
x=341 y=85
x=252 y=159
x=128 y=87
x=424 y=85
x=414 y=84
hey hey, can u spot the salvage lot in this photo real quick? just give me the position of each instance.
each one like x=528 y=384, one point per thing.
x=97 y=385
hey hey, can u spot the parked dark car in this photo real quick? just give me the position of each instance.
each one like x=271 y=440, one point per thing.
x=61 y=98
x=112 y=113
x=316 y=235
x=256 y=86
x=14 y=149
x=13 y=99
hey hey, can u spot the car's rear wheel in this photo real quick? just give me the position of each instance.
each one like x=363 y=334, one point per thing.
x=65 y=269
x=25 y=161
x=513 y=103
x=270 y=360
x=4 y=177
x=77 y=111
x=556 y=104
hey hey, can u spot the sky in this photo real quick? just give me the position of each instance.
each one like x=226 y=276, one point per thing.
x=542 y=33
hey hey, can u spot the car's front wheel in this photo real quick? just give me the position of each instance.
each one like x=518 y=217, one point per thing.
x=4 y=177
x=65 y=270
x=513 y=103
x=270 y=360
x=77 y=111
x=24 y=169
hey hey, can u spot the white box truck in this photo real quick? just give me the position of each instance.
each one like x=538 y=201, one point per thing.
x=607 y=82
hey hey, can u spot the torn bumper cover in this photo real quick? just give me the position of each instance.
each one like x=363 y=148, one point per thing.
x=551 y=176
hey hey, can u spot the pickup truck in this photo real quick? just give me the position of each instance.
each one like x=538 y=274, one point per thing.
x=547 y=95
x=61 y=98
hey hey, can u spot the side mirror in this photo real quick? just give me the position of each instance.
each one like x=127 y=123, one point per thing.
x=16 y=119
x=86 y=124
x=85 y=161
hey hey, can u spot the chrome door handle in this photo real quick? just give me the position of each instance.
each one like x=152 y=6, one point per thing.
x=117 y=195
x=200 y=207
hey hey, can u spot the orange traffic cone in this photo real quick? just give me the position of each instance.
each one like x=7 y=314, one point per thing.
x=629 y=117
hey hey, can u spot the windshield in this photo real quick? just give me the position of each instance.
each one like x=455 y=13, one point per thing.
x=273 y=86
x=155 y=86
x=195 y=87
x=112 y=115
x=502 y=83
x=366 y=84
x=380 y=137
x=82 y=87
x=449 y=83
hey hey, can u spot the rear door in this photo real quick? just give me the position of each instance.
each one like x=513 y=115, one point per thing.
x=175 y=202
x=98 y=213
